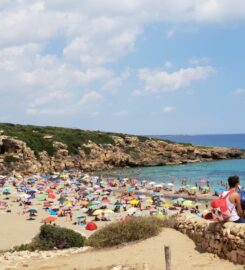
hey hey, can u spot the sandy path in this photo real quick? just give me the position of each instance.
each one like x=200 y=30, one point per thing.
x=150 y=252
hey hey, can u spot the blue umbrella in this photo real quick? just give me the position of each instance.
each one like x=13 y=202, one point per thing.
x=80 y=216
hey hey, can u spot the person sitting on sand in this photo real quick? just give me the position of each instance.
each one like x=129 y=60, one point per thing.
x=96 y=218
x=103 y=217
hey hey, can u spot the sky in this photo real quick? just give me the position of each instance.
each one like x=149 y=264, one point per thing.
x=131 y=66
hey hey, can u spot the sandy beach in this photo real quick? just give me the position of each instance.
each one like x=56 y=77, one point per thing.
x=17 y=227
x=148 y=255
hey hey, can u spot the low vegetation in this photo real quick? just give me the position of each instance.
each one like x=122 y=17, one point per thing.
x=51 y=237
x=133 y=229
x=41 y=138
x=9 y=159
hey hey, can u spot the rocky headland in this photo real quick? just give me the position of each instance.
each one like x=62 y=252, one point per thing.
x=30 y=149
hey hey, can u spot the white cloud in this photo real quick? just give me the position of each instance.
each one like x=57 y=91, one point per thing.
x=168 y=109
x=162 y=81
x=168 y=65
x=90 y=99
x=238 y=92
x=200 y=61
x=60 y=47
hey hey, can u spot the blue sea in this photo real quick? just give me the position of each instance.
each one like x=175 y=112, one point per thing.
x=215 y=172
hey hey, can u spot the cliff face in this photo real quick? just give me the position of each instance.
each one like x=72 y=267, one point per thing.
x=128 y=151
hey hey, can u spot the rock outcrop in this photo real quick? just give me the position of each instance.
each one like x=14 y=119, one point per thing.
x=128 y=151
x=227 y=240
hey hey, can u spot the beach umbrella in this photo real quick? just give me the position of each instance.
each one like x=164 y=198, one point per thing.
x=187 y=203
x=152 y=183
x=93 y=206
x=166 y=204
x=108 y=211
x=180 y=199
x=32 y=210
x=206 y=188
x=193 y=188
x=41 y=198
x=134 y=202
x=159 y=215
x=170 y=184
x=91 y=226
x=106 y=200
x=80 y=216
x=6 y=190
x=84 y=203
x=95 y=202
x=202 y=181
x=98 y=212
x=149 y=201
x=51 y=196
x=47 y=204
x=52 y=213
x=49 y=219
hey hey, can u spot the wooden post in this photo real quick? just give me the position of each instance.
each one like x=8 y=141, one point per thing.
x=167 y=252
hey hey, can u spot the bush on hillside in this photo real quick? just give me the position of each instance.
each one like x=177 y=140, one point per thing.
x=34 y=137
x=51 y=237
x=132 y=229
x=9 y=159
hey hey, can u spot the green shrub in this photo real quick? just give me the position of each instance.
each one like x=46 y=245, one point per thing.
x=9 y=159
x=133 y=229
x=51 y=237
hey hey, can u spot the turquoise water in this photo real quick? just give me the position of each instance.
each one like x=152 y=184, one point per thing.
x=213 y=171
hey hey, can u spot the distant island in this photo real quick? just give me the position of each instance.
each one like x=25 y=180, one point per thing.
x=29 y=149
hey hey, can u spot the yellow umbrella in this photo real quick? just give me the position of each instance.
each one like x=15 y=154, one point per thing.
x=149 y=200
x=159 y=215
x=166 y=204
x=98 y=212
x=108 y=211
x=187 y=203
x=133 y=202
x=193 y=188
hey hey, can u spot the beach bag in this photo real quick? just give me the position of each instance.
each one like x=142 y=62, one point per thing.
x=220 y=209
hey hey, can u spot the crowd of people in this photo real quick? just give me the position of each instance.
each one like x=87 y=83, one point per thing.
x=84 y=198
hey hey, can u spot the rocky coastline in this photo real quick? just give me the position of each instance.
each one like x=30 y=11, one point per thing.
x=128 y=151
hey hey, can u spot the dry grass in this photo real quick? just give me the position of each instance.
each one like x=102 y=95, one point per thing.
x=133 y=229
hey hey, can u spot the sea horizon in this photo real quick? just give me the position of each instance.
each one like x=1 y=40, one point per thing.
x=219 y=140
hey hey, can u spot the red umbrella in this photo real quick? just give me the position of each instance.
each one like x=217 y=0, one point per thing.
x=49 y=219
x=91 y=226
x=46 y=204
x=51 y=196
